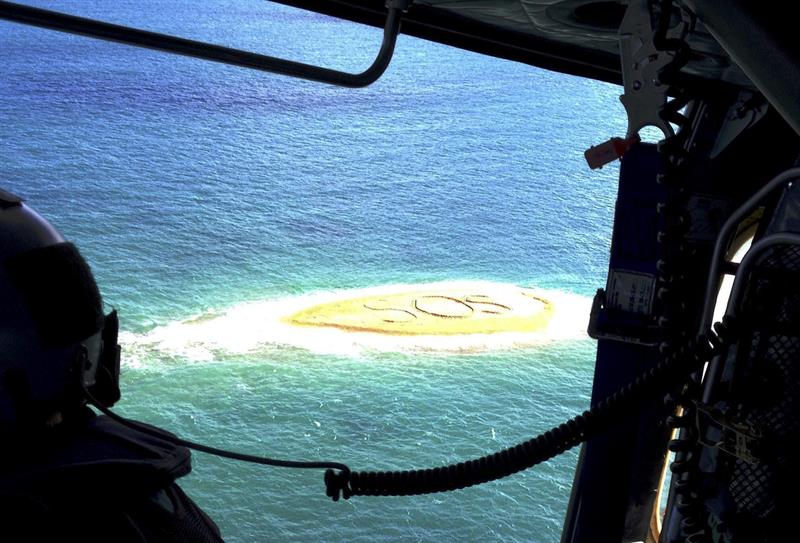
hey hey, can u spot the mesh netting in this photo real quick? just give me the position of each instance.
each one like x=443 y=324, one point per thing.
x=769 y=384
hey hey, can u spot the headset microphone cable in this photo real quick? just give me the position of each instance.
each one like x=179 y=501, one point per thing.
x=213 y=450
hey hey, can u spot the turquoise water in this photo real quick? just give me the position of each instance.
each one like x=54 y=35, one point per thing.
x=204 y=194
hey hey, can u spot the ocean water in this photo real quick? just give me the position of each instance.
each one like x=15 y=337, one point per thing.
x=210 y=199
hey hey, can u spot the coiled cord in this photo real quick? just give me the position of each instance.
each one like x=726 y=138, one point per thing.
x=675 y=223
x=685 y=466
x=684 y=470
x=661 y=42
x=666 y=374
x=674 y=219
x=341 y=482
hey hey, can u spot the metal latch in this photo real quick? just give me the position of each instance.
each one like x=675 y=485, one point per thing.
x=717 y=430
x=642 y=63
x=645 y=94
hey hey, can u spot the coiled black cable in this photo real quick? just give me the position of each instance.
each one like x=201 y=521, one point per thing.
x=675 y=223
x=340 y=481
x=685 y=467
x=665 y=375
x=675 y=45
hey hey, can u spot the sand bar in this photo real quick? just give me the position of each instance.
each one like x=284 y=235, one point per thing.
x=484 y=309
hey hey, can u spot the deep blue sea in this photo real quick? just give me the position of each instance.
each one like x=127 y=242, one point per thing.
x=208 y=199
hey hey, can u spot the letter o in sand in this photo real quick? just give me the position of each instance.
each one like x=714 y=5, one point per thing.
x=445 y=307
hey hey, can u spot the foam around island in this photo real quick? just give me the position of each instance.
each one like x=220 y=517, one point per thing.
x=470 y=309
x=533 y=317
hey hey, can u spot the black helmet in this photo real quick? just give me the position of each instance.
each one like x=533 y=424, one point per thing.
x=54 y=340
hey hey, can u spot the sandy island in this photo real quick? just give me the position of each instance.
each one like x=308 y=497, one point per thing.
x=437 y=311
x=451 y=316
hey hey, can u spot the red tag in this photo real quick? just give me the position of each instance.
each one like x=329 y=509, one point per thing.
x=609 y=151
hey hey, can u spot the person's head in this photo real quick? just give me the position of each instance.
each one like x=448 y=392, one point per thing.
x=54 y=340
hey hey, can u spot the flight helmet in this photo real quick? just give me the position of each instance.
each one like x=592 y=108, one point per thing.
x=55 y=342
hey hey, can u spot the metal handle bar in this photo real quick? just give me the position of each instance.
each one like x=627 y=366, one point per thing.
x=92 y=28
x=749 y=260
x=725 y=233
x=737 y=292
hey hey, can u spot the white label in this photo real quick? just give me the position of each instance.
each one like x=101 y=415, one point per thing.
x=630 y=291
